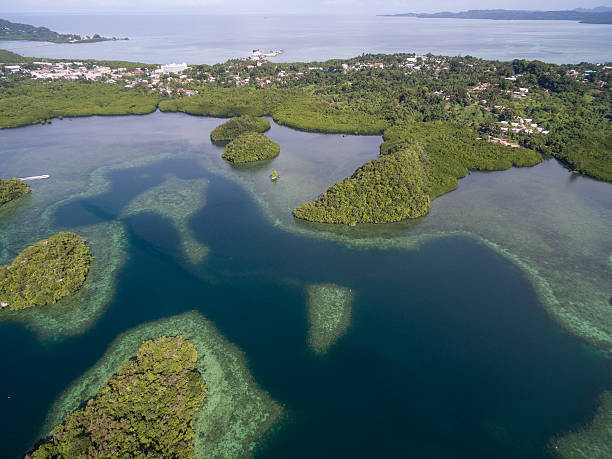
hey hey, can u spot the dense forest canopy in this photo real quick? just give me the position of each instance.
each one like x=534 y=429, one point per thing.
x=12 y=189
x=45 y=272
x=145 y=410
x=418 y=163
x=250 y=147
x=237 y=126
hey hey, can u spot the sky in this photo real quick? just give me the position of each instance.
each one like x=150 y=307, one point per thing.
x=282 y=6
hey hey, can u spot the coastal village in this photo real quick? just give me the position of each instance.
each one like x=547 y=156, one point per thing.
x=182 y=80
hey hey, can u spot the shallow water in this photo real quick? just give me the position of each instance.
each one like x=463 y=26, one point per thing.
x=210 y=39
x=450 y=351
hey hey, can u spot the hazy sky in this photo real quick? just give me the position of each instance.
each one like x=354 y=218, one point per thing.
x=282 y=6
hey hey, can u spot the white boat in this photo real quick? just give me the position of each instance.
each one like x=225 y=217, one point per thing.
x=35 y=177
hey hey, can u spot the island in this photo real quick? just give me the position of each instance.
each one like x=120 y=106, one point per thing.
x=146 y=393
x=45 y=272
x=16 y=31
x=237 y=126
x=250 y=147
x=146 y=408
x=600 y=15
x=12 y=189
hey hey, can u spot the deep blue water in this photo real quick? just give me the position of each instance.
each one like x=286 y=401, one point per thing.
x=449 y=353
x=210 y=39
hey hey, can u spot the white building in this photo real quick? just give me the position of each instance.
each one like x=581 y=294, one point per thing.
x=173 y=68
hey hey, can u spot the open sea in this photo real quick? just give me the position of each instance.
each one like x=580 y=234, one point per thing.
x=210 y=39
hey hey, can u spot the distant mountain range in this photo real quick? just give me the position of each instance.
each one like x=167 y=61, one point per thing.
x=599 y=15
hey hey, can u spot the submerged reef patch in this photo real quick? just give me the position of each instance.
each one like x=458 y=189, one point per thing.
x=592 y=441
x=177 y=200
x=236 y=412
x=329 y=315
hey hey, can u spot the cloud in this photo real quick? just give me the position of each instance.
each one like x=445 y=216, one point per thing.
x=270 y=6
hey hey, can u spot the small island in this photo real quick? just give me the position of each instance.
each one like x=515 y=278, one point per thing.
x=12 y=189
x=146 y=408
x=237 y=126
x=251 y=147
x=45 y=272
x=16 y=31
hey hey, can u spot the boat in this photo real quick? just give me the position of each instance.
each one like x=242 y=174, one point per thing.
x=35 y=177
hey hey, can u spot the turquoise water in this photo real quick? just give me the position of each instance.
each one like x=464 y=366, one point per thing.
x=211 y=39
x=450 y=351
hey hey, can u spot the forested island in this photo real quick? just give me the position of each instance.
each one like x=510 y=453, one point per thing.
x=250 y=147
x=16 y=31
x=237 y=126
x=11 y=189
x=601 y=15
x=146 y=409
x=45 y=272
x=440 y=116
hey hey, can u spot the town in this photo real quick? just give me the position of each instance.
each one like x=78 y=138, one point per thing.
x=502 y=96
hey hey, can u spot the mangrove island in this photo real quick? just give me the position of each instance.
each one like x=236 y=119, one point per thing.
x=45 y=272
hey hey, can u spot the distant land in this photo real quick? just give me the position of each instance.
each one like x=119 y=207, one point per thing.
x=599 y=15
x=15 y=31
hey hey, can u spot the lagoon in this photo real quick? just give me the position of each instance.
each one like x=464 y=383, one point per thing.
x=451 y=349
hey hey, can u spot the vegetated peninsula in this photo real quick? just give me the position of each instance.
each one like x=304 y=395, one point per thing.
x=237 y=126
x=418 y=163
x=250 y=147
x=11 y=189
x=16 y=31
x=601 y=15
x=45 y=272
x=146 y=409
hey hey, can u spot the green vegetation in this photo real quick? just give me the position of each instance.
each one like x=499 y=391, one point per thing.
x=16 y=31
x=8 y=57
x=568 y=105
x=12 y=189
x=236 y=412
x=237 y=126
x=145 y=410
x=295 y=109
x=250 y=147
x=418 y=163
x=592 y=441
x=45 y=272
x=31 y=102
x=390 y=188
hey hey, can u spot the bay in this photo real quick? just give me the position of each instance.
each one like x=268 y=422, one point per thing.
x=210 y=39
